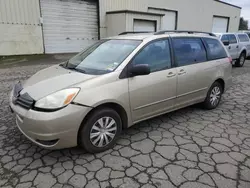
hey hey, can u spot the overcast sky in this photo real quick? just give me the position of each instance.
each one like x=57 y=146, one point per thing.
x=245 y=4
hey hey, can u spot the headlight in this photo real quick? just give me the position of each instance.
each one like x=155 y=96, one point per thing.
x=57 y=100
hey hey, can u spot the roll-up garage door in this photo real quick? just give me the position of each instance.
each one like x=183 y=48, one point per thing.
x=144 y=25
x=220 y=24
x=69 y=26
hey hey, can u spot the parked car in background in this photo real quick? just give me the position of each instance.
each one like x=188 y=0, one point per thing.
x=118 y=82
x=238 y=46
x=245 y=31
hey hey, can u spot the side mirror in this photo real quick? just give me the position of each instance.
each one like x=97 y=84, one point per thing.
x=226 y=43
x=139 y=70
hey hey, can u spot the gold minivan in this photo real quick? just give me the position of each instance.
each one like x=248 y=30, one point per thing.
x=118 y=82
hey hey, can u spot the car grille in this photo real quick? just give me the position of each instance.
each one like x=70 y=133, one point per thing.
x=24 y=100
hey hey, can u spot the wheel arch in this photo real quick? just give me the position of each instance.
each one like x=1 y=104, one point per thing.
x=222 y=82
x=118 y=108
x=244 y=51
x=113 y=105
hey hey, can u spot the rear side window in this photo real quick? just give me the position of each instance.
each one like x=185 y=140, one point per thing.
x=232 y=39
x=243 y=38
x=215 y=49
x=189 y=51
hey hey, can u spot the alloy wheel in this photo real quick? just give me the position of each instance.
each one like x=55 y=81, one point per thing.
x=242 y=60
x=215 y=96
x=103 y=131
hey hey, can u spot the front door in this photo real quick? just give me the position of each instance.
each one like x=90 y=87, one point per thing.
x=155 y=93
x=225 y=40
x=233 y=47
x=192 y=82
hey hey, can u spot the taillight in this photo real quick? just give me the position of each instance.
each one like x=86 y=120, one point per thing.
x=230 y=60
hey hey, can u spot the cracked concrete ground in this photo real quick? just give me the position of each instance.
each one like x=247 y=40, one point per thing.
x=189 y=148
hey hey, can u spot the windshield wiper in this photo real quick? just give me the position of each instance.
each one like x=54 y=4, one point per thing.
x=65 y=65
x=76 y=69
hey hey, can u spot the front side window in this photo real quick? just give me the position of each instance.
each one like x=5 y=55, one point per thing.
x=103 y=57
x=232 y=39
x=225 y=38
x=189 y=51
x=156 y=55
x=243 y=38
x=215 y=49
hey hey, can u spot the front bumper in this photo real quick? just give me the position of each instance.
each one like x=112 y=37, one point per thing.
x=51 y=130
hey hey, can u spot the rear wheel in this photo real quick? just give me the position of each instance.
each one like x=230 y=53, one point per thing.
x=240 y=62
x=100 y=131
x=213 y=96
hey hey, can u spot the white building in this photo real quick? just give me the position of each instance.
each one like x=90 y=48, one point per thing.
x=64 y=26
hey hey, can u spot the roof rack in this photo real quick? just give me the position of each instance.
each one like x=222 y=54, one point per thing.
x=133 y=32
x=180 y=31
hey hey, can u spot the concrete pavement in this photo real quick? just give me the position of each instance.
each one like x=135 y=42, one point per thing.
x=189 y=148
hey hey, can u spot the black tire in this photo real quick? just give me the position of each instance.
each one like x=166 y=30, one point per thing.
x=240 y=62
x=87 y=128
x=208 y=104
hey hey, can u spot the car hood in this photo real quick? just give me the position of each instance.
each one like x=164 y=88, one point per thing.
x=52 y=79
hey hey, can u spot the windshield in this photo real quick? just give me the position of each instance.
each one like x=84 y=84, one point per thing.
x=103 y=57
x=248 y=33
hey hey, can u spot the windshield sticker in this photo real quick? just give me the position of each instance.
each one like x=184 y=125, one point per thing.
x=112 y=66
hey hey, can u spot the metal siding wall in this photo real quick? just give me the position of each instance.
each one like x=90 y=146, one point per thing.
x=20 y=39
x=23 y=12
x=110 y=5
x=228 y=11
x=116 y=23
x=192 y=14
x=137 y=5
x=169 y=21
x=20 y=27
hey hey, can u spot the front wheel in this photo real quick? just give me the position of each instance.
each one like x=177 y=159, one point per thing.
x=100 y=131
x=240 y=62
x=213 y=96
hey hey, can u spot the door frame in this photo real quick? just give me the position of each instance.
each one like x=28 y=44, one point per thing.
x=124 y=75
x=40 y=9
x=236 y=50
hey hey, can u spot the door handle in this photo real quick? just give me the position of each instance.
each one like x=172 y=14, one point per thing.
x=182 y=71
x=171 y=74
x=229 y=47
x=237 y=46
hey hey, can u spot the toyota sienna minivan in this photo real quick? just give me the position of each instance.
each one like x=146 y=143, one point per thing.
x=117 y=82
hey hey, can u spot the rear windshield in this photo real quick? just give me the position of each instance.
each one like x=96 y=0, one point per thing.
x=103 y=57
x=215 y=49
